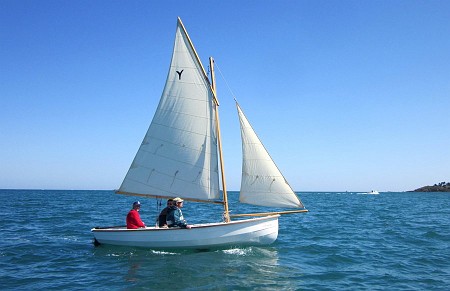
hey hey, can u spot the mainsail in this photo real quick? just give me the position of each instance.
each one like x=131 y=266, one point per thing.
x=262 y=182
x=178 y=156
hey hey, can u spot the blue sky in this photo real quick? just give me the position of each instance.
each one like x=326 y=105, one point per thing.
x=345 y=95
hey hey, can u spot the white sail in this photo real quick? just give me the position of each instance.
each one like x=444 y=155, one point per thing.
x=178 y=156
x=262 y=183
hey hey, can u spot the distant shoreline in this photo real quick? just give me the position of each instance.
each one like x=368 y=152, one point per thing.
x=441 y=187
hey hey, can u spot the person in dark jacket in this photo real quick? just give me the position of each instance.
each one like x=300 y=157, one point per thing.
x=162 y=218
x=175 y=216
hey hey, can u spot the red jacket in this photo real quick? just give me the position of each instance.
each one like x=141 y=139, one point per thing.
x=134 y=220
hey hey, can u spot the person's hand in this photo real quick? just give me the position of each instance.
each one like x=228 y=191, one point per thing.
x=188 y=226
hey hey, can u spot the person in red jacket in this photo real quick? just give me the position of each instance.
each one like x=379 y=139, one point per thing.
x=133 y=218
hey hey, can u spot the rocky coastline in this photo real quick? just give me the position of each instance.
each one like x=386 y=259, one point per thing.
x=441 y=187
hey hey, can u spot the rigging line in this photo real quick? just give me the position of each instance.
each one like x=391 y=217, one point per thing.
x=223 y=77
x=158 y=204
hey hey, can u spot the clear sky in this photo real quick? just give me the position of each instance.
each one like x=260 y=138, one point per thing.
x=345 y=95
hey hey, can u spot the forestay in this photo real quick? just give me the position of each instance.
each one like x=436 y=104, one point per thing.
x=178 y=156
x=262 y=183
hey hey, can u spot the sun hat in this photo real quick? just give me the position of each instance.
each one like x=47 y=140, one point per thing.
x=178 y=199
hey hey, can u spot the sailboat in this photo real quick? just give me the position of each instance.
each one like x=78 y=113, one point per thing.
x=181 y=156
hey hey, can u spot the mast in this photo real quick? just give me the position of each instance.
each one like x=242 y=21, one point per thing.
x=219 y=143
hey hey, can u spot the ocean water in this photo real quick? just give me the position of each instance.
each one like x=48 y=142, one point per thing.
x=348 y=241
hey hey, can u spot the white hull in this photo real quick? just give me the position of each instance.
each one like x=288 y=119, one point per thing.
x=373 y=192
x=255 y=231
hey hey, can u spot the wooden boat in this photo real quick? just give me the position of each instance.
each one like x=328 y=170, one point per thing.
x=181 y=156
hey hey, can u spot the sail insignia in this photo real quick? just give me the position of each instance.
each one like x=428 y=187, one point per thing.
x=179 y=74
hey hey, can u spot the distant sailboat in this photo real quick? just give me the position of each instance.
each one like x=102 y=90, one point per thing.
x=180 y=157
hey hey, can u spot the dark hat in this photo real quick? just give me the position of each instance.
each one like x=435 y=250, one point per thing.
x=136 y=203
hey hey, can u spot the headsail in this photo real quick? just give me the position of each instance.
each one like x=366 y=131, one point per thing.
x=262 y=182
x=178 y=156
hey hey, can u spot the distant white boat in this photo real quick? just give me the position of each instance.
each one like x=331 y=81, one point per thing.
x=179 y=157
x=373 y=192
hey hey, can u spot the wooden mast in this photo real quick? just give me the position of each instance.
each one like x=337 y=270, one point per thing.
x=226 y=214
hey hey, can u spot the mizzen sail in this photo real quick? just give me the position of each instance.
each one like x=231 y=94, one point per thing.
x=178 y=156
x=262 y=182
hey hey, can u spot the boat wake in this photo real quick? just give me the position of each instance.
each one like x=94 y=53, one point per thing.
x=239 y=252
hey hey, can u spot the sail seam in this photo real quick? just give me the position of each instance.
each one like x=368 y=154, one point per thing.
x=179 y=144
x=167 y=191
x=168 y=158
x=186 y=114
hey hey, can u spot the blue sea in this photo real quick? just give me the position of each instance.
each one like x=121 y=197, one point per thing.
x=348 y=241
